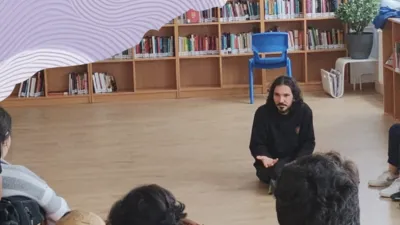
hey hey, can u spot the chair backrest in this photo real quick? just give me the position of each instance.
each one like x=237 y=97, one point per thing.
x=270 y=41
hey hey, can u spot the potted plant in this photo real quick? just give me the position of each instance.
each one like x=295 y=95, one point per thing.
x=358 y=14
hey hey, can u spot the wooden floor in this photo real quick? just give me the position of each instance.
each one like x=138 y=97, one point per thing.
x=197 y=148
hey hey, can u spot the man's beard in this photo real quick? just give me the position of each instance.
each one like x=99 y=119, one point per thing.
x=282 y=108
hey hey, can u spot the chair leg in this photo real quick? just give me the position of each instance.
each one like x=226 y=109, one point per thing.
x=289 y=67
x=251 y=89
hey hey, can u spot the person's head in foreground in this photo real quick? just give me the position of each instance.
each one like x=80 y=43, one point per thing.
x=319 y=189
x=80 y=217
x=5 y=132
x=147 y=205
x=284 y=94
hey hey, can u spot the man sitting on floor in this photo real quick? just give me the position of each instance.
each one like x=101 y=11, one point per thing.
x=319 y=189
x=282 y=130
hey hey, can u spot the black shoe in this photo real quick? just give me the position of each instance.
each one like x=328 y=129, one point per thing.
x=272 y=186
x=395 y=197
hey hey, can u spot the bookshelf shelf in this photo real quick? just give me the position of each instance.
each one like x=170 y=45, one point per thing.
x=121 y=71
x=200 y=72
x=320 y=60
x=163 y=64
x=391 y=71
x=161 y=77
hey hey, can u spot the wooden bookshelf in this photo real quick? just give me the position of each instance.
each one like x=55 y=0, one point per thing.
x=184 y=75
x=391 y=71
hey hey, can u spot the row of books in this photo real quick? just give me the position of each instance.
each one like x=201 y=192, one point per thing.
x=240 y=11
x=241 y=43
x=155 y=46
x=78 y=83
x=192 y=16
x=193 y=45
x=236 y=43
x=321 y=8
x=325 y=39
x=33 y=86
x=159 y=46
x=103 y=83
x=283 y=9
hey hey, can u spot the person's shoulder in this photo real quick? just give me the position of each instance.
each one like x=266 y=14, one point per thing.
x=305 y=108
x=261 y=110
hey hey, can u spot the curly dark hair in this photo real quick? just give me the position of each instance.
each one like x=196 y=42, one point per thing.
x=291 y=83
x=318 y=189
x=5 y=126
x=147 y=205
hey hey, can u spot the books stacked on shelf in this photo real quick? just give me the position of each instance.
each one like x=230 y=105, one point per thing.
x=194 y=45
x=192 y=16
x=283 y=9
x=321 y=8
x=240 y=11
x=236 y=43
x=127 y=54
x=103 y=83
x=155 y=47
x=325 y=39
x=295 y=40
x=33 y=86
x=78 y=84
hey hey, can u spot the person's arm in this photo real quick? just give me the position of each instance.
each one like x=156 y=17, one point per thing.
x=258 y=139
x=18 y=180
x=307 y=137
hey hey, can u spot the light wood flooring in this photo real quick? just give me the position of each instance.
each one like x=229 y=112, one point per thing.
x=197 y=148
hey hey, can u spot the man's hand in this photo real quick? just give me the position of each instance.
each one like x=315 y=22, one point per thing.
x=268 y=162
x=188 y=222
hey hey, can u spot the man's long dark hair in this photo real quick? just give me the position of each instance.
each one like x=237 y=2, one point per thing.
x=292 y=84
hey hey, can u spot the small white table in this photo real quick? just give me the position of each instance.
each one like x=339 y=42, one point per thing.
x=341 y=65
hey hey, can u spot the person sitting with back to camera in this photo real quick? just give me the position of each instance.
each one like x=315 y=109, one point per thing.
x=390 y=178
x=148 y=205
x=20 y=181
x=318 y=189
x=282 y=130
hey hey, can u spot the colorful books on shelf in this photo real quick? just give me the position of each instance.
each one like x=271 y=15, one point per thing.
x=240 y=11
x=295 y=40
x=103 y=83
x=193 y=16
x=78 y=84
x=324 y=39
x=236 y=43
x=33 y=86
x=195 y=45
x=155 y=47
x=321 y=8
x=283 y=9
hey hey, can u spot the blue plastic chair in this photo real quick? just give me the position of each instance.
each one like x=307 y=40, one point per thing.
x=268 y=42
